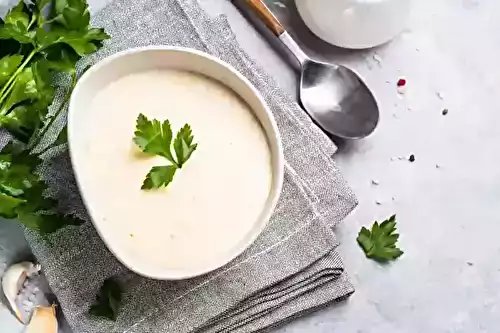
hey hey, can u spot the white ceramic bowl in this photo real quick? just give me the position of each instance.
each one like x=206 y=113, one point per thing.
x=355 y=24
x=148 y=58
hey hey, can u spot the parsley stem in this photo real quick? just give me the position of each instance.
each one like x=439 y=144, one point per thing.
x=33 y=19
x=9 y=85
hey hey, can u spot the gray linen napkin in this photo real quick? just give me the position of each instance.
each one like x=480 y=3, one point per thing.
x=290 y=269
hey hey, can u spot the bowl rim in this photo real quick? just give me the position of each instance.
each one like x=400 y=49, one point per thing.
x=272 y=134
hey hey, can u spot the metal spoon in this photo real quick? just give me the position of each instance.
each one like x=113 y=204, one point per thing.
x=333 y=95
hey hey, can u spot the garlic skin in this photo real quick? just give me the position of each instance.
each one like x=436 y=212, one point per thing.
x=13 y=280
x=43 y=321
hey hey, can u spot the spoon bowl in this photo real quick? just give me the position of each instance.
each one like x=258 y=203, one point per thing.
x=338 y=100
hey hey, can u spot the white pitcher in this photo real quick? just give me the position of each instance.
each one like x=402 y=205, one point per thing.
x=355 y=24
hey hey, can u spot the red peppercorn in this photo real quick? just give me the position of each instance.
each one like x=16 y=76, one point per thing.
x=401 y=82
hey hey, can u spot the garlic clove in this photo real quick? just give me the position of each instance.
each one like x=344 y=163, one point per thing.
x=13 y=280
x=43 y=321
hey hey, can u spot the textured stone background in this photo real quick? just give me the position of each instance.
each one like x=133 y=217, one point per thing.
x=449 y=277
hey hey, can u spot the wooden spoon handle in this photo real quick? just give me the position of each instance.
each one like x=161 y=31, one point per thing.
x=259 y=8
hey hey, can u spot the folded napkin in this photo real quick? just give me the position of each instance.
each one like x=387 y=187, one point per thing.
x=290 y=269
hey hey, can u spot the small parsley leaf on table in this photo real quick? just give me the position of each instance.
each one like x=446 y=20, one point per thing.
x=155 y=138
x=379 y=243
x=108 y=300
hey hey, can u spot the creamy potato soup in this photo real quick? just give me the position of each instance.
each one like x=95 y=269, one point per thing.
x=213 y=201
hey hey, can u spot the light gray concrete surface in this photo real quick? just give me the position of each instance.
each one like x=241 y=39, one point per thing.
x=447 y=201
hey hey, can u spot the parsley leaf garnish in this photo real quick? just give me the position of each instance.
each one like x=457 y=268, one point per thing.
x=380 y=243
x=155 y=138
x=183 y=145
x=108 y=300
x=159 y=176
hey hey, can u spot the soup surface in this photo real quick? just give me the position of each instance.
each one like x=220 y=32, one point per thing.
x=213 y=201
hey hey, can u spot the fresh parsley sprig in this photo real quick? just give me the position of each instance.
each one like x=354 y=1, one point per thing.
x=34 y=48
x=155 y=138
x=379 y=243
x=37 y=46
